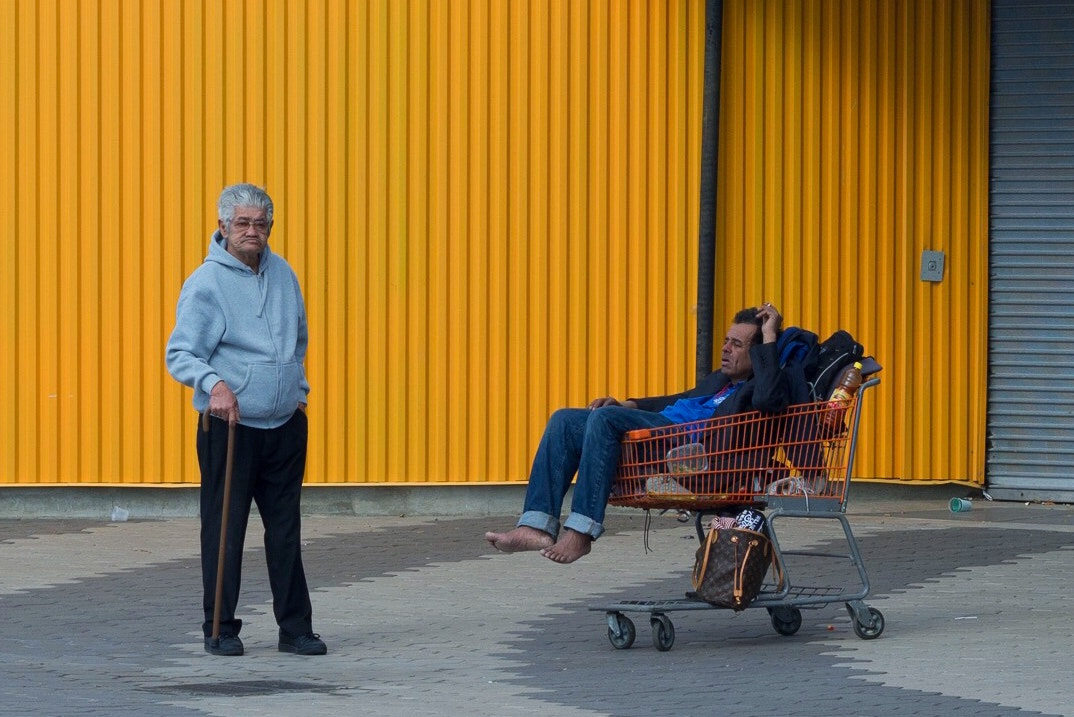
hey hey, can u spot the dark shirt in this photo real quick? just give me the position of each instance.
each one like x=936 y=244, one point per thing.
x=770 y=389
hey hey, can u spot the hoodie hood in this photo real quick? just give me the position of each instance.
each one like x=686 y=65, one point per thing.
x=219 y=254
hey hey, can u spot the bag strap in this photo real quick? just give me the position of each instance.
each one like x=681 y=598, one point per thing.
x=740 y=565
x=700 y=566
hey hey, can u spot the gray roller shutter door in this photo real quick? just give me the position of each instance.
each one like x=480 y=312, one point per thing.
x=1031 y=304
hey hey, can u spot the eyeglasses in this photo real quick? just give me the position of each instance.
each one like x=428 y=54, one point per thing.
x=260 y=225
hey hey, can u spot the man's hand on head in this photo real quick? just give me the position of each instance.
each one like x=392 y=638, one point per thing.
x=771 y=321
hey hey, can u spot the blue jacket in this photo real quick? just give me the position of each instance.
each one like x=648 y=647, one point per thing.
x=246 y=329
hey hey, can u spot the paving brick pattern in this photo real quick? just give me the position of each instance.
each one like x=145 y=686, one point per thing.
x=422 y=617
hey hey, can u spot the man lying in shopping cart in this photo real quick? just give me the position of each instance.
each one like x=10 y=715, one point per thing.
x=586 y=441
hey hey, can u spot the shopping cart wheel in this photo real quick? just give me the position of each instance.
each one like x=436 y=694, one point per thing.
x=663 y=632
x=786 y=620
x=870 y=632
x=621 y=632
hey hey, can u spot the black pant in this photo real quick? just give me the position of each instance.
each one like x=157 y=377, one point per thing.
x=267 y=468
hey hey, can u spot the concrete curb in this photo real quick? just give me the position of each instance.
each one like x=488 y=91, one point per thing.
x=147 y=502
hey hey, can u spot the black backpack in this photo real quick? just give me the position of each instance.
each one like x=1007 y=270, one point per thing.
x=827 y=360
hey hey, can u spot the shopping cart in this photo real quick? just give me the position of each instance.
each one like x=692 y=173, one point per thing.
x=796 y=464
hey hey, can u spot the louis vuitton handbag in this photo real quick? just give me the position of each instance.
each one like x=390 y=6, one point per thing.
x=731 y=566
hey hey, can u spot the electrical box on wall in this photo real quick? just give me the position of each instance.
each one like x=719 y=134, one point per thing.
x=931 y=265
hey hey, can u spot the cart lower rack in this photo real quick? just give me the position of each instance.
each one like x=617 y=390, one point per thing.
x=794 y=465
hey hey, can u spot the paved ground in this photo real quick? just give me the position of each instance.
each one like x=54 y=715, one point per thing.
x=421 y=617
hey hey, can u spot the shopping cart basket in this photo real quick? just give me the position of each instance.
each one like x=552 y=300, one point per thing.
x=796 y=464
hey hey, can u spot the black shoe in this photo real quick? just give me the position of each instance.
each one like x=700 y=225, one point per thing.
x=308 y=644
x=226 y=645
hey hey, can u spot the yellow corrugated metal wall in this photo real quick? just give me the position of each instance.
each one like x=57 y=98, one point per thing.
x=491 y=206
x=854 y=136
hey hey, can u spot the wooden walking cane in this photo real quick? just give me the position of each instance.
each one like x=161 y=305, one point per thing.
x=230 y=462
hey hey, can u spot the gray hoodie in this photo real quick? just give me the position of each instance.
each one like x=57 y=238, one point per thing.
x=245 y=328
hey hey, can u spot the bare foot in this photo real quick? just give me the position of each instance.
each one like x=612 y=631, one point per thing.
x=570 y=546
x=520 y=539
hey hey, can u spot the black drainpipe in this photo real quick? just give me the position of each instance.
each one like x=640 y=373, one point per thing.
x=710 y=141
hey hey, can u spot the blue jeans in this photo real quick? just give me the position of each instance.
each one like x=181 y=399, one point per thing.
x=586 y=442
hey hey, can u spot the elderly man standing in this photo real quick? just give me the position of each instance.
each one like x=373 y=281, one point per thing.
x=586 y=440
x=239 y=341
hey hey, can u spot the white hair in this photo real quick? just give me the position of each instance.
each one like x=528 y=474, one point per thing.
x=242 y=195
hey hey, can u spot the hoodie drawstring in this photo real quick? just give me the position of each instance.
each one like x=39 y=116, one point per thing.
x=262 y=286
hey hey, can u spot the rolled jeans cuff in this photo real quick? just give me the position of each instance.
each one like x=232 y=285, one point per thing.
x=582 y=524
x=541 y=521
